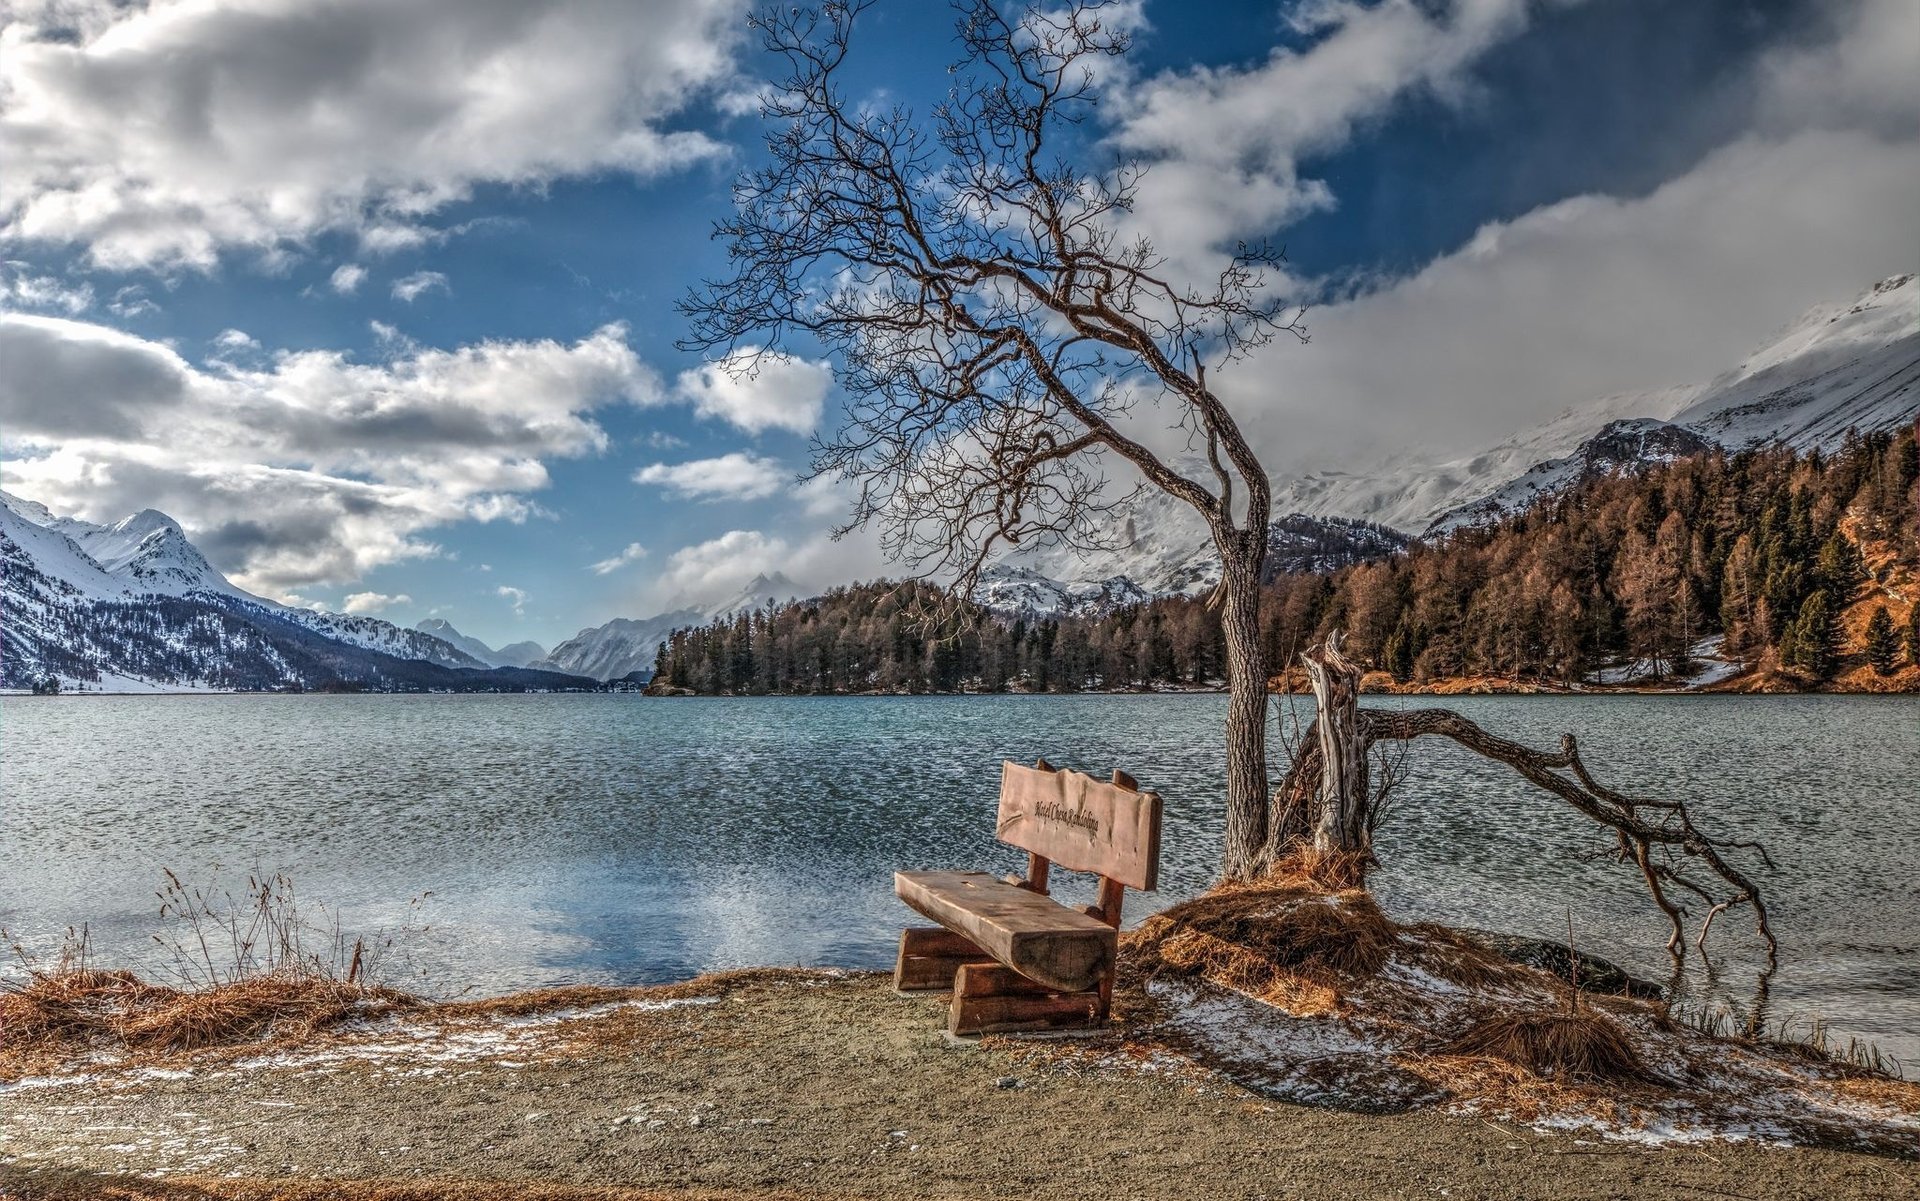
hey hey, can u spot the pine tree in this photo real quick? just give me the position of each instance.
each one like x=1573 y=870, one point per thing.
x=1913 y=636
x=1809 y=643
x=1398 y=655
x=1883 y=645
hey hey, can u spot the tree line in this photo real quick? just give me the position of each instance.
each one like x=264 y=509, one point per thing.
x=1761 y=548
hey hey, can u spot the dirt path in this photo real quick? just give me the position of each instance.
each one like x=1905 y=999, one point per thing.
x=796 y=1085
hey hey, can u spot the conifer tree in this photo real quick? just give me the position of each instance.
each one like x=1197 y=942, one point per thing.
x=1810 y=642
x=1913 y=636
x=1883 y=644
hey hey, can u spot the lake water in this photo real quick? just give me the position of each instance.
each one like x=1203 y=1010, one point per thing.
x=625 y=839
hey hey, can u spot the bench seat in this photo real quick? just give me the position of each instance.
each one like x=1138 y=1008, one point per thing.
x=1028 y=931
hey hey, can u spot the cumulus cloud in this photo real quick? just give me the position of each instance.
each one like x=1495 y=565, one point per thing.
x=1226 y=144
x=347 y=278
x=412 y=287
x=374 y=602
x=710 y=570
x=21 y=288
x=760 y=390
x=516 y=597
x=1596 y=294
x=734 y=476
x=162 y=135
x=632 y=553
x=308 y=467
x=235 y=339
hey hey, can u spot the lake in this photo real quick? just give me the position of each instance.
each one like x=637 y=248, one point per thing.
x=623 y=839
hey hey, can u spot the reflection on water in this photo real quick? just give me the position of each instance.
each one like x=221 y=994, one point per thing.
x=623 y=839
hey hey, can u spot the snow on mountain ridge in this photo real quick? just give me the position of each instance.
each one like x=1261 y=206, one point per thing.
x=149 y=554
x=516 y=654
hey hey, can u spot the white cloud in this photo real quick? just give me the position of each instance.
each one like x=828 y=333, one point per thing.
x=760 y=390
x=347 y=278
x=516 y=597
x=21 y=289
x=235 y=339
x=632 y=553
x=374 y=602
x=716 y=568
x=308 y=468
x=1226 y=143
x=1596 y=295
x=162 y=135
x=413 y=286
x=130 y=302
x=734 y=476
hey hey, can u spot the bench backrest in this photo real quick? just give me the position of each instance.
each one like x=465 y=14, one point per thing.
x=1082 y=824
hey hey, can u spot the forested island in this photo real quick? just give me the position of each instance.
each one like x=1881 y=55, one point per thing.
x=1799 y=567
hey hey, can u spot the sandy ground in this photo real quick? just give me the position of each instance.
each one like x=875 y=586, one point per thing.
x=794 y=1084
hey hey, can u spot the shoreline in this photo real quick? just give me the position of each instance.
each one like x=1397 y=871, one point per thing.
x=1442 y=688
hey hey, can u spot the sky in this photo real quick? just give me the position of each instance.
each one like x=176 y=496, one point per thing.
x=378 y=299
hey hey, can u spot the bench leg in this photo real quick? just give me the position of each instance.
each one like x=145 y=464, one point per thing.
x=929 y=957
x=991 y=999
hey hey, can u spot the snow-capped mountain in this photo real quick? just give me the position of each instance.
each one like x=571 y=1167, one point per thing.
x=1636 y=442
x=620 y=647
x=759 y=592
x=514 y=654
x=135 y=605
x=148 y=554
x=1845 y=366
x=1840 y=367
x=626 y=645
x=1023 y=592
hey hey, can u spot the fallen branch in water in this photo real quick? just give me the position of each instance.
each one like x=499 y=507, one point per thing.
x=1329 y=811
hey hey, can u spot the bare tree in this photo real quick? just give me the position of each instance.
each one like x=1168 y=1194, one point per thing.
x=1325 y=807
x=992 y=323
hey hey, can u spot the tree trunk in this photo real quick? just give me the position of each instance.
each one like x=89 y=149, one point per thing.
x=1246 y=715
x=1343 y=822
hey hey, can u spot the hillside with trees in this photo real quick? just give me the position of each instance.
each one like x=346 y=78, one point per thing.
x=1802 y=567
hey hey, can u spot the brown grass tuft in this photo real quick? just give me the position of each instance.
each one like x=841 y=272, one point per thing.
x=1578 y=1045
x=1326 y=871
x=54 y=1016
x=1293 y=946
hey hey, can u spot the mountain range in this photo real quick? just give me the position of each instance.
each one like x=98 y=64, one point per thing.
x=135 y=605
x=1853 y=365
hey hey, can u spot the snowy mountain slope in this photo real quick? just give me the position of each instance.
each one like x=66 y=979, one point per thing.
x=1636 y=442
x=136 y=601
x=148 y=554
x=626 y=644
x=620 y=647
x=1840 y=366
x=1162 y=547
x=1852 y=365
x=516 y=654
x=1023 y=592
x=759 y=592
x=1408 y=492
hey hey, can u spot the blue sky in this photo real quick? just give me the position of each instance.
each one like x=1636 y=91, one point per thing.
x=378 y=300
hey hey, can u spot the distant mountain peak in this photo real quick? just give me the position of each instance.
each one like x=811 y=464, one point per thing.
x=519 y=654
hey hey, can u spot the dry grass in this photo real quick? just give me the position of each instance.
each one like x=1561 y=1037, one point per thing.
x=1576 y=1045
x=82 y=1187
x=1324 y=871
x=57 y=1016
x=1327 y=938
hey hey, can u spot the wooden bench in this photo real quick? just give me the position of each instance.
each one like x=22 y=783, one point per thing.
x=1012 y=956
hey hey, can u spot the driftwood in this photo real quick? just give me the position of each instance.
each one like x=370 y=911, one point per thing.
x=1325 y=802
